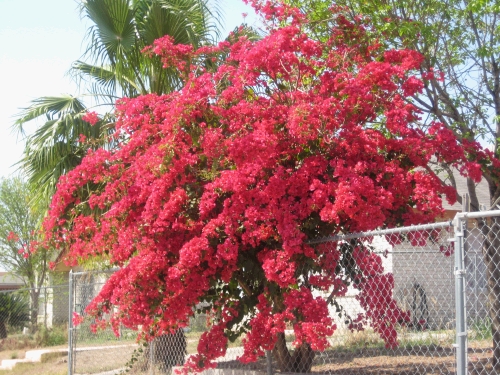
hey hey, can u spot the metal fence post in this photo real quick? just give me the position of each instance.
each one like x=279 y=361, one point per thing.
x=460 y=323
x=70 y=325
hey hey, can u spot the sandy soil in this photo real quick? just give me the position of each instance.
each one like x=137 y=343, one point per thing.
x=428 y=361
x=422 y=360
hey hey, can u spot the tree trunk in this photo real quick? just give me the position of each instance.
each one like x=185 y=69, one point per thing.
x=167 y=351
x=491 y=253
x=34 y=296
x=3 y=330
x=300 y=361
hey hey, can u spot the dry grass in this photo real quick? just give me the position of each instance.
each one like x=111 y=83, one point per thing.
x=13 y=354
x=17 y=343
x=362 y=339
x=52 y=364
x=106 y=359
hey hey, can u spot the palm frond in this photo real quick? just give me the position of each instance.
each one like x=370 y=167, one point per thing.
x=113 y=32
x=49 y=106
x=55 y=148
x=192 y=21
x=104 y=75
x=105 y=79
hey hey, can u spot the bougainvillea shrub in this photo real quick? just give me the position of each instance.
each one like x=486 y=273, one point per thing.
x=214 y=191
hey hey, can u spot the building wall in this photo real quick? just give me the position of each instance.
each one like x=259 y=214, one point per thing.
x=476 y=286
x=53 y=306
x=424 y=285
x=60 y=308
x=425 y=281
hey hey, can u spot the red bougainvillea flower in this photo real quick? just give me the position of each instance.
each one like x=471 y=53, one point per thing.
x=216 y=189
x=91 y=118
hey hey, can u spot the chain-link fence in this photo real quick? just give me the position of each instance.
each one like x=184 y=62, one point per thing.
x=33 y=318
x=411 y=271
x=101 y=351
x=94 y=351
x=433 y=287
x=482 y=292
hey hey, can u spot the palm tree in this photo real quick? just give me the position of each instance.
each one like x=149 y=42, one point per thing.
x=112 y=66
x=14 y=311
x=123 y=28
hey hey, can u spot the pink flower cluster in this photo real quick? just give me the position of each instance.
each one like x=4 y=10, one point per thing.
x=12 y=237
x=91 y=117
x=376 y=297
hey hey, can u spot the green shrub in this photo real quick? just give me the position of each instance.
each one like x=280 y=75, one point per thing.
x=18 y=342
x=57 y=335
x=480 y=329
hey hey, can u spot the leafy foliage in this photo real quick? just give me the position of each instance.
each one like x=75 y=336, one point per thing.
x=20 y=237
x=19 y=234
x=460 y=45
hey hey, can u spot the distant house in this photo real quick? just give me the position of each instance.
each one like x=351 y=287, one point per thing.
x=8 y=281
x=86 y=287
x=425 y=279
x=54 y=304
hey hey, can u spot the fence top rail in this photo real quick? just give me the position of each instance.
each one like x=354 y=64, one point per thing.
x=380 y=232
x=22 y=290
x=477 y=214
x=112 y=270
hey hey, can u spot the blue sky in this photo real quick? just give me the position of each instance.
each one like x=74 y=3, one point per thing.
x=39 y=39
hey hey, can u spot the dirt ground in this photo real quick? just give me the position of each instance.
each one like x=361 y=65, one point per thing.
x=438 y=361
x=419 y=361
x=102 y=360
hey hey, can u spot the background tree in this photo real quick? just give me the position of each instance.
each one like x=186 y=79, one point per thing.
x=460 y=44
x=214 y=191
x=112 y=66
x=19 y=238
x=460 y=41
